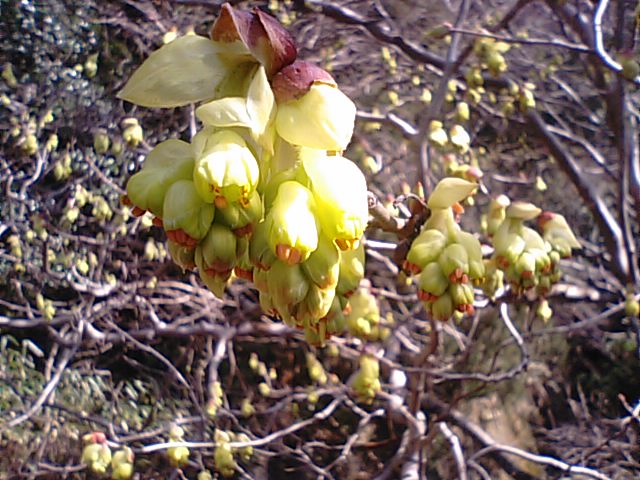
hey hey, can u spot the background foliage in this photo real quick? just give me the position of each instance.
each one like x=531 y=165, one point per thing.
x=100 y=331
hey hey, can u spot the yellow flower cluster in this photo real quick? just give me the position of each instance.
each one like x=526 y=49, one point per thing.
x=262 y=191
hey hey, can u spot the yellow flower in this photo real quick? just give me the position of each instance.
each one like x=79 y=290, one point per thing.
x=292 y=230
x=227 y=171
x=340 y=192
x=322 y=118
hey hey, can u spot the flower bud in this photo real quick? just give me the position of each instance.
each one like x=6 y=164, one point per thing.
x=366 y=382
x=242 y=218
x=363 y=320
x=223 y=459
x=215 y=398
x=525 y=265
x=335 y=319
x=168 y=162
x=132 y=133
x=437 y=134
x=462 y=296
x=260 y=253
x=288 y=286
x=101 y=141
x=217 y=254
x=184 y=210
x=184 y=257
x=454 y=262
x=318 y=116
x=316 y=370
x=425 y=249
x=432 y=281
x=351 y=270
x=227 y=171
x=316 y=304
x=557 y=232
x=245 y=452
x=292 y=233
x=459 y=138
x=543 y=311
x=97 y=456
x=122 y=464
x=631 y=305
x=442 y=308
x=178 y=456
x=323 y=265
x=474 y=252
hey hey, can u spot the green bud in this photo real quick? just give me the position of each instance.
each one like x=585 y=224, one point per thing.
x=101 y=141
x=425 y=249
x=432 y=281
x=132 y=133
x=462 y=295
x=315 y=369
x=315 y=305
x=323 y=265
x=288 y=286
x=215 y=398
x=223 y=459
x=184 y=210
x=351 y=270
x=242 y=218
x=245 y=452
x=526 y=265
x=442 y=308
x=217 y=254
x=522 y=211
x=557 y=232
x=454 y=260
x=335 y=319
x=474 y=252
x=167 y=163
x=122 y=464
x=260 y=253
x=631 y=305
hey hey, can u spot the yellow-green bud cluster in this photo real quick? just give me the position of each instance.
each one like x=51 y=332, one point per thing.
x=445 y=259
x=528 y=259
x=96 y=454
x=122 y=464
x=262 y=190
x=363 y=317
x=491 y=55
x=224 y=455
x=178 y=456
x=366 y=382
